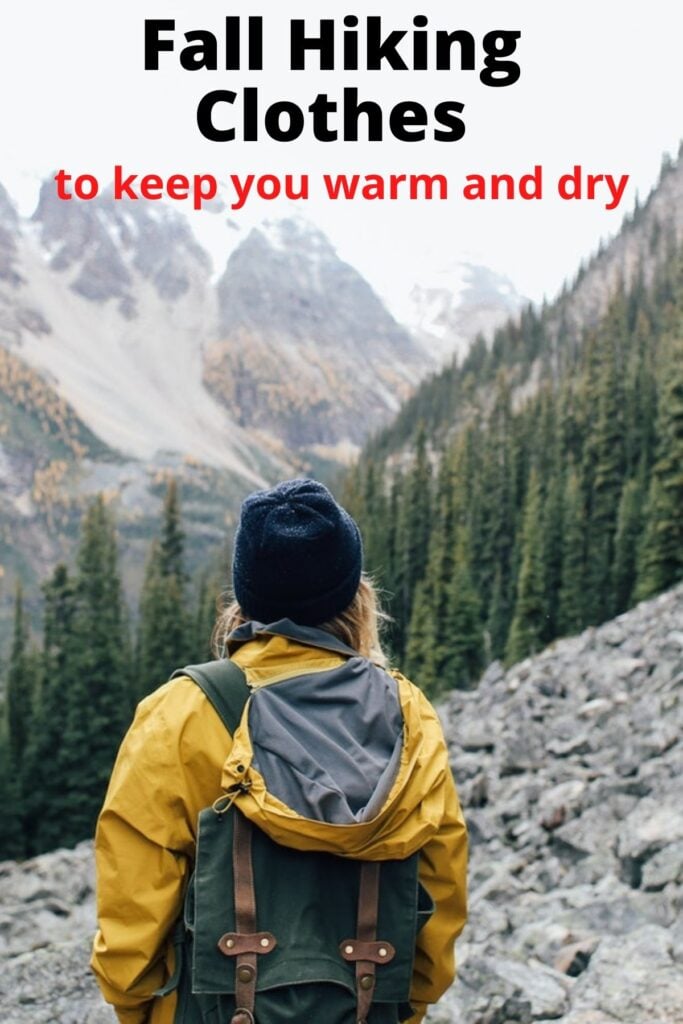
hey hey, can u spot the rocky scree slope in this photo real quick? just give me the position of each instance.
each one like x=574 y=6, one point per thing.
x=569 y=769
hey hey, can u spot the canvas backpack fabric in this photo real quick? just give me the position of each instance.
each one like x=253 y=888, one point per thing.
x=275 y=935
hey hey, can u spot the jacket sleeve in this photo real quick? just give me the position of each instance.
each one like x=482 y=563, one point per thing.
x=443 y=873
x=143 y=849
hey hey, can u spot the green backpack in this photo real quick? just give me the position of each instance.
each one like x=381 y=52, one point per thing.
x=273 y=935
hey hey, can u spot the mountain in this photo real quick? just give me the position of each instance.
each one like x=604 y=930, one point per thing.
x=304 y=348
x=447 y=310
x=641 y=246
x=279 y=354
x=129 y=357
x=8 y=243
x=566 y=766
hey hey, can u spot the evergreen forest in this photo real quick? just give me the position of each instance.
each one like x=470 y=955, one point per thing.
x=498 y=516
x=70 y=698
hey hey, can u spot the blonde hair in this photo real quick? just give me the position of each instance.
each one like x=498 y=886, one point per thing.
x=358 y=626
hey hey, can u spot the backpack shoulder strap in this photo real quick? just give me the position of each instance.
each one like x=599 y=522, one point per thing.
x=224 y=684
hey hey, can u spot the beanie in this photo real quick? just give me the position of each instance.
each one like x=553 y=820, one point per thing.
x=298 y=555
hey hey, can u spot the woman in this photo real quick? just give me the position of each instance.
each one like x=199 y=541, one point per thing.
x=334 y=755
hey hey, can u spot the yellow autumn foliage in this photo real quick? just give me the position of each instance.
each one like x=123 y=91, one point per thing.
x=25 y=388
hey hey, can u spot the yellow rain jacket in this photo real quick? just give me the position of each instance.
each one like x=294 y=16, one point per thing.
x=178 y=758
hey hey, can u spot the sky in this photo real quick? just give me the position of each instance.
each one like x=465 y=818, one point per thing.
x=600 y=86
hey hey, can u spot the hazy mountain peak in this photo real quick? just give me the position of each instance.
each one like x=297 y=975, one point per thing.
x=447 y=308
x=105 y=243
x=8 y=213
x=305 y=346
x=295 y=232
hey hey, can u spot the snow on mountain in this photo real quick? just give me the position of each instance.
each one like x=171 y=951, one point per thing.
x=448 y=308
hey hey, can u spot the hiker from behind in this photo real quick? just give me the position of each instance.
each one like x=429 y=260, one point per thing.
x=281 y=840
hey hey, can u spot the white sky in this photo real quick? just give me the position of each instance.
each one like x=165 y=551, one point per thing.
x=601 y=86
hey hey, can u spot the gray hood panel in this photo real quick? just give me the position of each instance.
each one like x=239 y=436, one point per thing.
x=328 y=744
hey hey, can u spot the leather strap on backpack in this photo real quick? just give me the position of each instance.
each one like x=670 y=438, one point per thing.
x=246 y=944
x=366 y=951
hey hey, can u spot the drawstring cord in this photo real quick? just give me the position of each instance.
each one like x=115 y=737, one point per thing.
x=223 y=804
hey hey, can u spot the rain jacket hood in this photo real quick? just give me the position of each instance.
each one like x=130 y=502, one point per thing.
x=336 y=757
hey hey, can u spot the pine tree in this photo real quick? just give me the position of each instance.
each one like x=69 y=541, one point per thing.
x=172 y=544
x=572 y=615
x=499 y=618
x=661 y=557
x=412 y=538
x=421 y=653
x=205 y=620
x=629 y=526
x=462 y=652
x=495 y=547
x=641 y=395
x=151 y=662
x=390 y=576
x=128 y=655
x=165 y=627
x=440 y=559
x=21 y=699
x=608 y=467
x=19 y=695
x=44 y=787
x=470 y=504
x=97 y=699
x=529 y=620
x=376 y=537
x=12 y=842
x=553 y=531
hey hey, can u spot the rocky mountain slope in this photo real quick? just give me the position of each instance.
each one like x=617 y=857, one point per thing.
x=642 y=243
x=123 y=292
x=569 y=769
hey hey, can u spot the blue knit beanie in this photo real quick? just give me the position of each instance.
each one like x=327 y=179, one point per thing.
x=298 y=555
